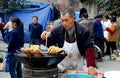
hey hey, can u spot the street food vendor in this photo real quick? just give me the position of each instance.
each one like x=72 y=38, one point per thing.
x=75 y=40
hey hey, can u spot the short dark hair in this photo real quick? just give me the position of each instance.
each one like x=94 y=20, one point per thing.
x=113 y=19
x=107 y=17
x=68 y=10
x=82 y=11
x=35 y=17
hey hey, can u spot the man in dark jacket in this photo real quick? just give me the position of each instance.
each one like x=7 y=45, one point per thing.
x=98 y=34
x=75 y=40
x=35 y=31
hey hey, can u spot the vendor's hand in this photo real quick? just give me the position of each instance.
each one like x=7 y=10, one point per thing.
x=92 y=71
x=45 y=34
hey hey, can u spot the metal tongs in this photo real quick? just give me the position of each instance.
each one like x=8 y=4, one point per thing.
x=46 y=42
x=45 y=48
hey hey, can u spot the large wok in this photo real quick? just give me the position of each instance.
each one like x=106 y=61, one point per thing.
x=40 y=61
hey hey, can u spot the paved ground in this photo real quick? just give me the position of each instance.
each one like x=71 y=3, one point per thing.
x=104 y=66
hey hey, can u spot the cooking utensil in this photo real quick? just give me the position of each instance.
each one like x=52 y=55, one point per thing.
x=40 y=61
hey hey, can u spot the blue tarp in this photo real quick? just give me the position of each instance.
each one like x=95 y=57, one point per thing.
x=1 y=15
x=44 y=14
x=77 y=13
x=41 y=5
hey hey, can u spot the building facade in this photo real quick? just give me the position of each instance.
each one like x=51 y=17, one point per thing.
x=90 y=5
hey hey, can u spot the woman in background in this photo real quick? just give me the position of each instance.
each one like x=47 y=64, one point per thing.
x=112 y=36
x=2 y=24
x=16 y=42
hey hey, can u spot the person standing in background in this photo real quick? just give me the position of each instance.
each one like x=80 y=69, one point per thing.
x=112 y=36
x=87 y=22
x=8 y=28
x=8 y=25
x=2 y=24
x=98 y=34
x=35 y=30
x=16 y=42
x=50 y=26
x=106 y=23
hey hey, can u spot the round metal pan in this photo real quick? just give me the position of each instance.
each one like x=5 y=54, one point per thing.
x=40 y=61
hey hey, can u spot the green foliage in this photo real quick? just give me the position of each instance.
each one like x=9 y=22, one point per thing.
x=9 y=5
x=111 y=7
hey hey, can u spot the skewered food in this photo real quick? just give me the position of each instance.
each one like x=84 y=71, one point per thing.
x=53 y=50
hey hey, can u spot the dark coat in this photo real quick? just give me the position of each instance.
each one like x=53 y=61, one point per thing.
x=88 y=23
x=16 y=41
x=35 y=30
x=98 y=30
x=82 y=34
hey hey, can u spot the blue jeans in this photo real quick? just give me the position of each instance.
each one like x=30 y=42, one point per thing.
x=15 y=68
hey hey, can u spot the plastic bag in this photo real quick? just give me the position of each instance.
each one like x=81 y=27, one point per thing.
x=6 y=63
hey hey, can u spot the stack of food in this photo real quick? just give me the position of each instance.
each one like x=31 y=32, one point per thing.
x=33 y=50
x=36 y=50
x=53 y=50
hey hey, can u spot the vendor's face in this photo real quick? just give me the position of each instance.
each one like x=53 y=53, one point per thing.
x=68 y=21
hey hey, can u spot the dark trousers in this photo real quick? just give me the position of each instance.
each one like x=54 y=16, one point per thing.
x=7 y=35
x=100 y=44
x=110 y=46
x=15 y=68
x=35 y=41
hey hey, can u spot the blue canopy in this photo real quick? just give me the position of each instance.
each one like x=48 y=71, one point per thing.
x=44 y=16
x=26 y=3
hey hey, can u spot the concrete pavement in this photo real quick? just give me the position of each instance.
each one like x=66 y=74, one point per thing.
x=106 y=65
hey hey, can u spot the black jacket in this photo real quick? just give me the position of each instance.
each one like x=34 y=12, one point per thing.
x=35 y=30
x=82 y=34
x=16 y=41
